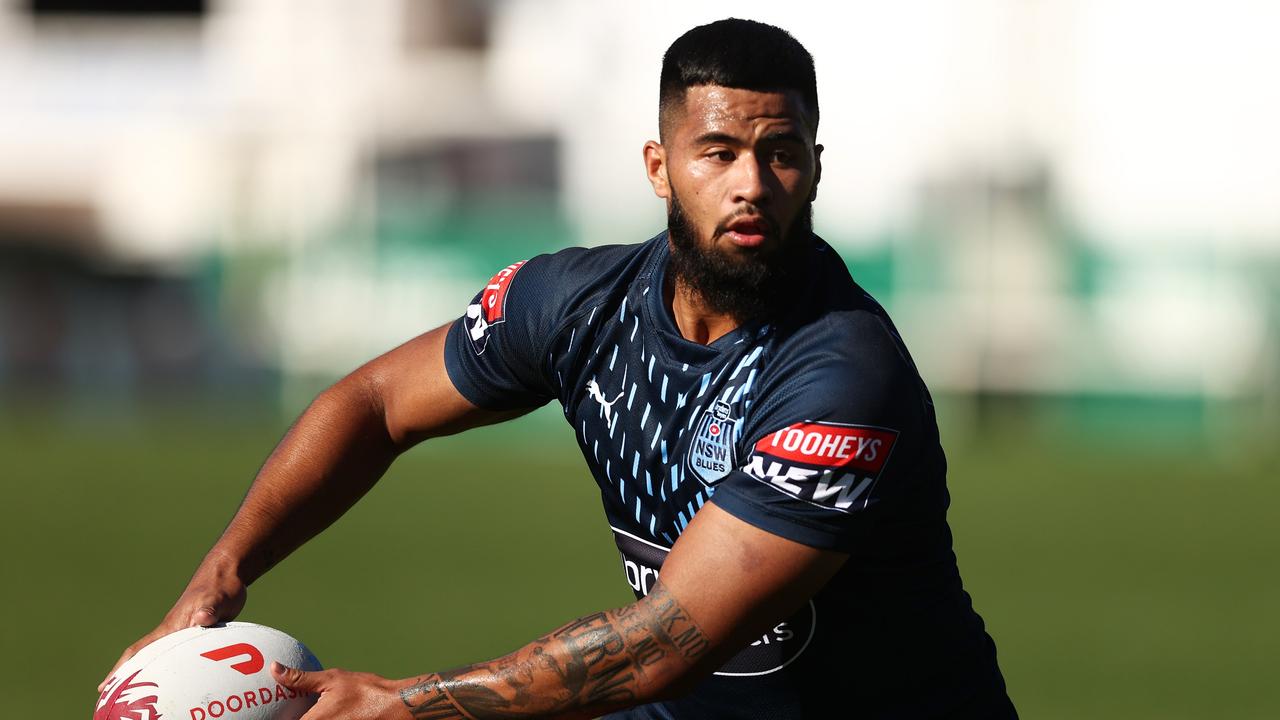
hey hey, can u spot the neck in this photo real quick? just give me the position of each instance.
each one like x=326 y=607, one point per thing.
x=695 y=322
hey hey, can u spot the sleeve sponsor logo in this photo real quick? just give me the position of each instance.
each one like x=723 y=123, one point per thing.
x=490 y=307
x=775 y=649
x=830 y=465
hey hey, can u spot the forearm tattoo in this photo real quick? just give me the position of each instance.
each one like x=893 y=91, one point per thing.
x=592 y=665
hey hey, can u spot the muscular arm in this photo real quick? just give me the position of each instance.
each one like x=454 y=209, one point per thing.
x=723 y=584
x=339 y=448
x=334 y=453
x=594 y=664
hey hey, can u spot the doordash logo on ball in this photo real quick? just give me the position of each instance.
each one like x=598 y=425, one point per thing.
x=232 y=704
x=252 y=663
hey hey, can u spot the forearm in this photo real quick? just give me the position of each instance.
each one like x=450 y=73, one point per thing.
x=593 y=665
x=331 y=456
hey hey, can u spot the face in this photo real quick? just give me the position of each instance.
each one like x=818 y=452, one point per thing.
x=738 y=170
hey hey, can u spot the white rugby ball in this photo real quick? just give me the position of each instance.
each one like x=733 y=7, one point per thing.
x=214 y=673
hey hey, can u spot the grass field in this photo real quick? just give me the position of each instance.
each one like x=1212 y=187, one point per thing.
x=1118 y=581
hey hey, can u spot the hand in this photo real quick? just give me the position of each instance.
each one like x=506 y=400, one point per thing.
x=346 y=695
x=212 y=596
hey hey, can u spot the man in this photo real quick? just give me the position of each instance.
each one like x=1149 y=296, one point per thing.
x=766 y=452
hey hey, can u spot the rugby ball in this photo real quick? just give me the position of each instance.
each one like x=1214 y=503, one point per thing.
x=209 y=673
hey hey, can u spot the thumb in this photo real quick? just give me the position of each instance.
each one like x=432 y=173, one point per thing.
x=297 y=679
x=204 y=617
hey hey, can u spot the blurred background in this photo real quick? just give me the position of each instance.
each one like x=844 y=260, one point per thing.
x=210 y=209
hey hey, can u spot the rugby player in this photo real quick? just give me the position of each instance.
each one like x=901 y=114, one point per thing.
x=766 y=452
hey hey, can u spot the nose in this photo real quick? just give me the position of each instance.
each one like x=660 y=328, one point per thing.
x=750 y=182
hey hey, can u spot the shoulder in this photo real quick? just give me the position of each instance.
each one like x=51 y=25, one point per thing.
x=840 y=357
x=511 y=322
x=573 y=277
x=844 y=335
x=859 y=341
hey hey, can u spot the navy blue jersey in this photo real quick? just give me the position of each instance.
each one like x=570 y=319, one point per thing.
x=814 y=426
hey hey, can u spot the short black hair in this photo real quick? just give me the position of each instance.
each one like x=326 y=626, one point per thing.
x=736 y=53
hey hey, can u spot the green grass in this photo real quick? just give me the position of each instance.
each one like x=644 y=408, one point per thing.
x=1117 y=582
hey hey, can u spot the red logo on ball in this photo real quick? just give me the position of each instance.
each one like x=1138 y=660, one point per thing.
x=249 y=666
x=116 y=707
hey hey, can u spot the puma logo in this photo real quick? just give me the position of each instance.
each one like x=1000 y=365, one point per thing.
x=606 y=406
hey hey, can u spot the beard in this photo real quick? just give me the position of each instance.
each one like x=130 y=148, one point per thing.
x=752 y=286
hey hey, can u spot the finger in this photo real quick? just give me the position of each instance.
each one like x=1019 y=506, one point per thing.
x=296 y=679
x=318 y=711
x=124 y=657
x=204 y=617
x=112 y=672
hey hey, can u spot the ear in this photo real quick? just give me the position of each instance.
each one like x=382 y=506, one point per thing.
x=817 y=171
x=655 y=166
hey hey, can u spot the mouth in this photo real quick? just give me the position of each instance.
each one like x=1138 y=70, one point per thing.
x=747 y=232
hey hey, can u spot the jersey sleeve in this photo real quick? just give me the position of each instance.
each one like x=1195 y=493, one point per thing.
x=839 y=436
x=495 y=353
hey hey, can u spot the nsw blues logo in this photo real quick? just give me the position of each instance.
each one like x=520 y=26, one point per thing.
x=711 y=454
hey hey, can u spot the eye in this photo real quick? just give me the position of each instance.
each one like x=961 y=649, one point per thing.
x=721 y=155
x=783 y=157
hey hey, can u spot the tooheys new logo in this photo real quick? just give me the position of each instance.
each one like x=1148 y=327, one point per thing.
x=490 y=307
x=831 y=465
